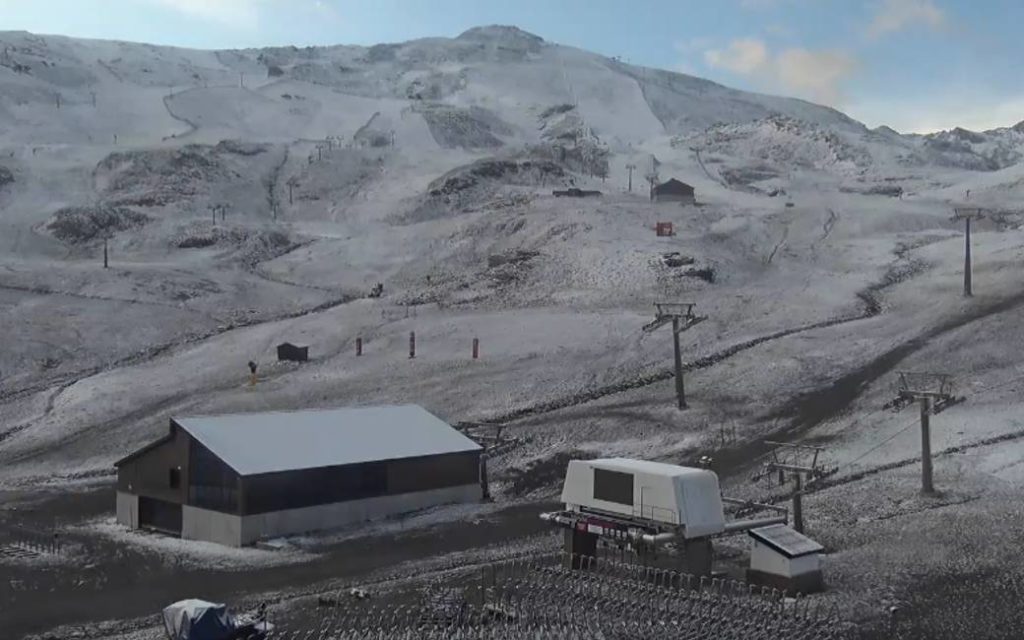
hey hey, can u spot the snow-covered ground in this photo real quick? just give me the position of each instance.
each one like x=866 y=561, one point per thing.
x=822 y=253
x=194 y=553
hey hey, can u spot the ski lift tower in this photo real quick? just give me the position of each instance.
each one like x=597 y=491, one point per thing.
x=934 y=392
x=967 y=214
x=804 y=463
x=681 y=315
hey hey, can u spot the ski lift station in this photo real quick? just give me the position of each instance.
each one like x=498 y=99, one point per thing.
x=683 y=497
x=644 y=504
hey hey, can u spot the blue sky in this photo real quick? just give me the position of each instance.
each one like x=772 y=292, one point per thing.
x=916 y=65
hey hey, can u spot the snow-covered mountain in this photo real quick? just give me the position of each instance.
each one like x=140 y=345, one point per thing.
x=501 y=70
x=248 y=198
x=491 y=90
x=241 y=186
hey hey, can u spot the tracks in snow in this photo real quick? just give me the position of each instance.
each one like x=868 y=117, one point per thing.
x=704 y=168
x=779 y=244
x=46 y=291
x=842 y=480
x=808 y=408
x=667 y=374
x=192 y=127
x=829 y=224
x=66 y=380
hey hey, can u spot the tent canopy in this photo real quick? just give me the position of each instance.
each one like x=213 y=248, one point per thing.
x=197 y=620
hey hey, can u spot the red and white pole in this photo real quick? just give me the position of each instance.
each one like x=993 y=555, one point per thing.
x=476 y=348
x=412 y=344
x=359 y=346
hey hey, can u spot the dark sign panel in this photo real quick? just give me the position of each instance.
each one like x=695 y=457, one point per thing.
x=613 y=486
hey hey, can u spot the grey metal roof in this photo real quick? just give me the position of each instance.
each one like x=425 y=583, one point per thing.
x=786 y=541
x=253 y=443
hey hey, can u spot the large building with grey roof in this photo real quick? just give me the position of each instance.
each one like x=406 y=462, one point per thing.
x=235 y=479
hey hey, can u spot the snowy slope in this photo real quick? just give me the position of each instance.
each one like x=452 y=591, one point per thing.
x=427 y=166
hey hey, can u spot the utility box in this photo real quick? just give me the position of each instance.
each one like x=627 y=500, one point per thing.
x=662 y=493
x=785 y=559
x=664 y=229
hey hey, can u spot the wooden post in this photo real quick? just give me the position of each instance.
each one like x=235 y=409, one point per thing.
x=926 y=446
x=798 y=502
x=412 y=344
x=967 y=257
x=680 y=390
x=359 y=346
x=476 y=348
x=106 y=263
x=484 y=485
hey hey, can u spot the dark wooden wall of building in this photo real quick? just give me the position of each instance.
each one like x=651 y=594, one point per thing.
x=434 y=472
x=309 y=487
x=149 y=473
x=212 y=484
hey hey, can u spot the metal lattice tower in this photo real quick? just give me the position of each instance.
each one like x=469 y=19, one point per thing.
x=681 y=315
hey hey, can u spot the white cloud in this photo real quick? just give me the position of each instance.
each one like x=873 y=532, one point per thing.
x=689 y=50
x=897 y=15
x=816 y=75
x=743 y=56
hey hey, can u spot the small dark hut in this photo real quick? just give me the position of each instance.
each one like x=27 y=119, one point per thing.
x=294 y=353
x=673 y=191
x=574 y=192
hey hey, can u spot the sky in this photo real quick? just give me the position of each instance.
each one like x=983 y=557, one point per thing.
x=914 y=65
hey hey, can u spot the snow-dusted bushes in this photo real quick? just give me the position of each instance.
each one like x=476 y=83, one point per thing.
x=78 y=225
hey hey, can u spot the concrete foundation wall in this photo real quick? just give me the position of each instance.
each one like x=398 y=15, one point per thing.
x=812 y=582
x=212 y=526
x=128 y=510
x=765 y=559
x=329 y=516
x=805 y=564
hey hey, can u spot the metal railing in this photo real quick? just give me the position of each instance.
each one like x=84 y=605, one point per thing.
x=35 y=541
x=541 y=597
